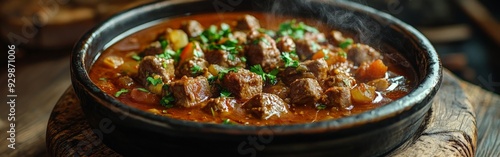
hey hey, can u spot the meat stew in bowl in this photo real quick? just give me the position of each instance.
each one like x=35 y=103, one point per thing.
x=244 y=69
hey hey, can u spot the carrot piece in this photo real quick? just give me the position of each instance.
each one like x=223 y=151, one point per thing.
x=187 y=52
x=377 y=69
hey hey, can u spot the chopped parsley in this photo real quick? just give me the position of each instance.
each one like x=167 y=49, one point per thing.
x=212 y=110
x=195 y=69
x=103 y=79
x=154 y=81
x=321 y=107
x=230 y=46
x=213 y=35
x=295 y=30
x=267 y=31
x=243 y=59
x=343 y=54
x=289 y=61
x=120 y=92
x=271 y=76
x=143 y=90
x=211 y=79
x=169 y=54
x=223 y=72
x=164 y=44
x=136 y=57
x=227 y=122
x=225 y=93
x=346 y=43
x=167 y=101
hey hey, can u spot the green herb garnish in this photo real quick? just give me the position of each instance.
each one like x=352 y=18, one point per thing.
x=225 y=93
x=154 y=81
x=343 y=54
x=295 y=30
x=167 y=101
x=223 y=72
x=321 y=107
x=227 y=122
x=346 y=43
x=271 y=76
x=289 y=62
x=120 y=92
x=143 y=90
x=195 y=69
x=136 y=57
x=103 y=79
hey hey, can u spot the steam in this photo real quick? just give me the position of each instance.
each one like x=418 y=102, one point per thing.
x=364 y=28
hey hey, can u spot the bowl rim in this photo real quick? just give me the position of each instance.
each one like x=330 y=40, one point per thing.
x=427 y=86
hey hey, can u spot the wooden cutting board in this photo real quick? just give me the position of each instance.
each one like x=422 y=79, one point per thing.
x=450 y=129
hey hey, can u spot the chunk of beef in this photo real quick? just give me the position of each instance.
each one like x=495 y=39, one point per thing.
x=247 y=23
x=306 y=48
x=317 y=69
x=262 y=50
x=338 y=97
x=279 y=89
x=286 y=44
x=313 y=36
x=193 y=67
x=240 y=36
x=151 y=65
x=222 y=58
x=189 y=91
x=220 y=105
x=335 y=37
x=339 y=80
x=192 y=28
x=360 y=53
x=265 y=106
x=153 y=49
x=305 y=91
x=243 y=84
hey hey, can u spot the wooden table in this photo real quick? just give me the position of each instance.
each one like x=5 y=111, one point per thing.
x=40 y=85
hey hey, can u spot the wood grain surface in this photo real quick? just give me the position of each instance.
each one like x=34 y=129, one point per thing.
x=450 y=131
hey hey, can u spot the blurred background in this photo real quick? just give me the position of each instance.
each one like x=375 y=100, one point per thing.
x=465 y=33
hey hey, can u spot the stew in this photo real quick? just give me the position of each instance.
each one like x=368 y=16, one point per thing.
x=250 y=69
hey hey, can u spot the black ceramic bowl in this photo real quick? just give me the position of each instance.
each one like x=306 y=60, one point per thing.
x=130 y=131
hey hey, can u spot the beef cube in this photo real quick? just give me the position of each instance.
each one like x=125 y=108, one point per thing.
x=153 y=49
x=243 y=84
x=335 y=37
x=286 y=44
x=189 y=91
x=193 y=67
x=240 y=36
x=247 y=23
x=306 y=48
x=360 y=53
x=280 y=89
x=318 y=68
x=265 y=106
x=338 y=97
x=262 y=50
x=221 y=57
x=151 y=65
x=339 y=80
x=220 y=105
x=192 y=28
x=305 y=91
x=317 y=37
